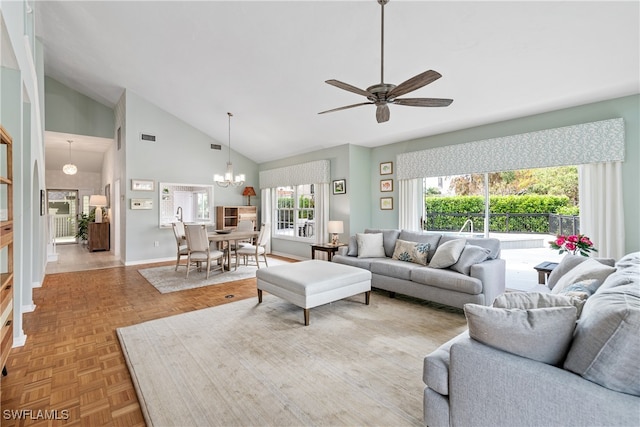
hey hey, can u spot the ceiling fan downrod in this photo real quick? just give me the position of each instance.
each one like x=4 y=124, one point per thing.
x=382 y=3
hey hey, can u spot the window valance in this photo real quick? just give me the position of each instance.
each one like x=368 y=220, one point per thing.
x=305 y=173
x=595 y=142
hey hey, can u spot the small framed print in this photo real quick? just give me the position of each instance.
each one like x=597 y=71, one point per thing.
x=386 y=185
x=386 y=168
x=386 y=203
x=339 y=186
x=141 y=185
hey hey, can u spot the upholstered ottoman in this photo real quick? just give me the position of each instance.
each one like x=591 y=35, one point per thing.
x=309 y=284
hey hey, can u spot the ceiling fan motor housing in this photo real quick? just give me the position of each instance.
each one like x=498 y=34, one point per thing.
x=380 y=91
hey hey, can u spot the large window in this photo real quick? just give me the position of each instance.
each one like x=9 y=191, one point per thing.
x=294 y=212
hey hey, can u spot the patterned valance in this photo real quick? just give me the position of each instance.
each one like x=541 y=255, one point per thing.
x=594 y=142
x=304 y=173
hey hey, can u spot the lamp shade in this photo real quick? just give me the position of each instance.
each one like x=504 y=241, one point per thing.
x=249 y=191
x=98 y=200
x=335 y=227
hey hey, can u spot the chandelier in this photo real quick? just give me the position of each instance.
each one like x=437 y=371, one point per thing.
x=69 y=168
x=228 y=178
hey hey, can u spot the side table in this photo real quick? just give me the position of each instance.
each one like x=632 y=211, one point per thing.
x=544 y=269
x=329 y=248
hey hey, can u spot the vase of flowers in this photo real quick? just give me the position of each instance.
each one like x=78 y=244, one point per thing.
x=573 y=244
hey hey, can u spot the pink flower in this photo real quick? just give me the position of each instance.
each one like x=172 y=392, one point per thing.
x=571 y=246
x=560 y=240
x=586 y=241
x=573 y=238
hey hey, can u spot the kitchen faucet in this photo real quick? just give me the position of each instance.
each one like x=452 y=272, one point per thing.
x=179 y=213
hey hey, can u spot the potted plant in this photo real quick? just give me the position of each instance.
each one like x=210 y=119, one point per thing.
x=83 y=225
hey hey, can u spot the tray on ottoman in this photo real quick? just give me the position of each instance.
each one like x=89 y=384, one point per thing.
x=309 y=284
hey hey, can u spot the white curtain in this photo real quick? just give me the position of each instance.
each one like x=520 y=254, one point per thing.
x=601 y=210
x=322 y=212
x=265 y=196
x=410 y=207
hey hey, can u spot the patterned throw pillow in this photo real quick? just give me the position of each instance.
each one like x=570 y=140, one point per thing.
x=411 y=251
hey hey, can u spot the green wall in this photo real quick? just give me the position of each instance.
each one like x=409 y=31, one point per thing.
x=68 y=111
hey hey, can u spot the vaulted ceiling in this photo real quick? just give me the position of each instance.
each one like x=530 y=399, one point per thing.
x=266 y=61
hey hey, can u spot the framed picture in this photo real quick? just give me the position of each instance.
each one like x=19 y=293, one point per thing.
x=386 y=203
x=339 y=186
x=386 y=185
x=142 y=185
x=386 y=168
x=43 y=203
x=107 y=193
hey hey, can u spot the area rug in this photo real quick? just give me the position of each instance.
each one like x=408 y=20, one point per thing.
x=247 y=364
x=165 y=279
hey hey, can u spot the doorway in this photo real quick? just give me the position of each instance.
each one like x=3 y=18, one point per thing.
x=63 y=207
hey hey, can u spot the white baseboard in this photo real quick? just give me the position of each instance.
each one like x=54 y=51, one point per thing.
x=297 y=257
x=149 y=261
x=36 y=285
x=19 y=341
x=28 y=308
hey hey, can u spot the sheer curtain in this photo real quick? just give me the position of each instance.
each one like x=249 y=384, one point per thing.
x=410 y=208
x=601 y=210
x=322 y=211
x=265 y=196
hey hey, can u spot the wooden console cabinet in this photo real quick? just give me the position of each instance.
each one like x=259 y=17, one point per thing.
x=98 y=236
x=229 y=216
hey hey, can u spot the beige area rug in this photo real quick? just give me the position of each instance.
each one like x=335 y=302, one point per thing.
x=248 y=364
x=165 y=279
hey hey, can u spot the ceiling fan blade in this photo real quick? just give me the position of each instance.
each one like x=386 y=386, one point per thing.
x=344 y=108
x=382 y=113
x=423 y=102
x=414 y=83
x=349 y=87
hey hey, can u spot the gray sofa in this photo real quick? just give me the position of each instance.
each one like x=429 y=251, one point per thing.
x=477 y=283
x=596 y=382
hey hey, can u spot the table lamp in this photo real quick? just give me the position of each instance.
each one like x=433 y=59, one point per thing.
x=249 y=191
x=99 y=202
x=335 y=228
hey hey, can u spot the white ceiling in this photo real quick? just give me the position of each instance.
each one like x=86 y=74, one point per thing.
x=266 y=62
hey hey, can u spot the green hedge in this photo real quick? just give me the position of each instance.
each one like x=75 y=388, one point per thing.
x=454 y=211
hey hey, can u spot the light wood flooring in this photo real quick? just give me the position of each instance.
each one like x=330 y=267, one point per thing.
x=72 y=359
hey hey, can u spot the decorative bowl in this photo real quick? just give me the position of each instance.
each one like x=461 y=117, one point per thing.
x=223 y=231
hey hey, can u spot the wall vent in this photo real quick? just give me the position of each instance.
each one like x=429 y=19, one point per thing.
x=147 y=137
x=216 y=147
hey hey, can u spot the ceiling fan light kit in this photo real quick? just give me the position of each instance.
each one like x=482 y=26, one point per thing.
x=383 y=94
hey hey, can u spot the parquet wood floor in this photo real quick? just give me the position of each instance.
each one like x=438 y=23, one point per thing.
x=71 y=365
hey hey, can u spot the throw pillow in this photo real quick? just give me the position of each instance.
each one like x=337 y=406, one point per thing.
x=447 y=253
x=589 y=269
x=568 y=263
x=470 y=255
x=370 y=245
x=541 y=334
x=583 y=289
x=353 y=246
x=411 y=251
x=529 y=300
x=605 y=347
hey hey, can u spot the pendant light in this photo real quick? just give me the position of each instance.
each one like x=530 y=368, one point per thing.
x=70 y=168
x=228 y=178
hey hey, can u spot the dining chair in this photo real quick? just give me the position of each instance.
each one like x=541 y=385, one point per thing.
x=198 y=249
x=181 y=242
x=260 y=248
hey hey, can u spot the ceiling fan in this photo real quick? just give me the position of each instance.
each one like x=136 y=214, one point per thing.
x=385 y=93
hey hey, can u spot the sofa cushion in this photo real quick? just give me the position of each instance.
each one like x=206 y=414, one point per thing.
x=411 y=251
x=353 y=261
x=421 y=237
x=370 y=245
x=389 y=238
x=470 y=255
x=447 y=253
x=628 y=271
x=586 y=270
x=528 y=300
x=447 y=279
x=541 y=334
x=606 y=345
x=569 y=262
x=392 y=268
x=435 y=371
x=488 y=243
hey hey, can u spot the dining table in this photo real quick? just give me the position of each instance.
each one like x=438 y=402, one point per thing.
x=231 y=236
